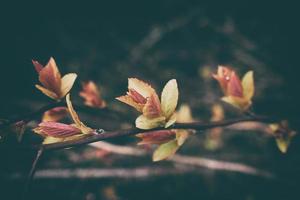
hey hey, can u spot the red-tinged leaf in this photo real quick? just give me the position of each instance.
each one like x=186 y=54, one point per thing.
x=140 y=87
x=152 y=107
x=55 y=129
x=223 y=76
x=129 y=101
x=137 y=97
x=234 y=87
x=156 y=137
x=55 y=114
x=50 y=77
x=38 y=67
x=91 y=95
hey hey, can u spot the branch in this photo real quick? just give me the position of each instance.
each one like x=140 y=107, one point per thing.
x=199 y=126
x=31 y=173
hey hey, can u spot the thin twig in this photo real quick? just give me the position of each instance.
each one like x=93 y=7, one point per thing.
x=202 y=162
x=31 y=173
x=199 y=126
x=95 y=173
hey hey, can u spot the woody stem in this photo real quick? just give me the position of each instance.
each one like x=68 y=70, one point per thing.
x=199 y=126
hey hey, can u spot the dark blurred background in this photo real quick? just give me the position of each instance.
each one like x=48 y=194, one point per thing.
x=109 y=41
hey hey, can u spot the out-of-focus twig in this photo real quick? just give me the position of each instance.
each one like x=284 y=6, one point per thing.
x=139 y=172
x=211 y=164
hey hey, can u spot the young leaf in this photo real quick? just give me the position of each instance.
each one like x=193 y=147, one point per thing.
x=67 y=83
x=169 y=98
x=145 y=123
x=248 y=85
x=165 y=151
x=141 y=87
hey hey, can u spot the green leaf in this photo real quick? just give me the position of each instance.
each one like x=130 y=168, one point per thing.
x=145 y=123
x=248 y=85
x=165 y=150
x=169 y=98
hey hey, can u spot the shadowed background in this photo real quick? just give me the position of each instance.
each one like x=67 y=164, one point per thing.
x=110 y=41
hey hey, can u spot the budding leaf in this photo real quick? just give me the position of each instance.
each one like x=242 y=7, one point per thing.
x=283 y=135
x=181 y=136
x=169 y=98
x=248 y=85
x=165 y=151
x=283 y=144
x=143 y=122
x=67 y=83
x=92 y=96
x=52 y=84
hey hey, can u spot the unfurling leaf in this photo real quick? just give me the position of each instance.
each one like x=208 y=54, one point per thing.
x=144 y=99
x=237 y=93
x=52 y=85
x=145 y=123
x=152 y=107
x=165 y=151
x=248 y=85
x=169 y=98
x=91 y=94
x=283 y=135
x=67 y=83
x=156 y=137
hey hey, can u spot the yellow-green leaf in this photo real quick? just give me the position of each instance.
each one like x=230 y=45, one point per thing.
x=140 y=86
x=181 y=136
x=169 y=98
x=143 y=122
x=171 y=120
x=47 y=92
x=84 y=129
x=50 y=140
x=165 y=151
x=237 y=102
x=283 y=144
x=67 y=83
x=248 y=85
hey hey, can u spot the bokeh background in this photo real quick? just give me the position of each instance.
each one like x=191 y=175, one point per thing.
x=109 y=41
